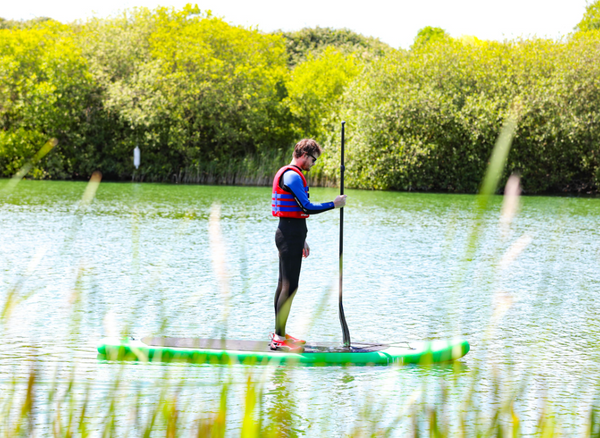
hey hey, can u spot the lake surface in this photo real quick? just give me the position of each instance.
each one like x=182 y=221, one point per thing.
x=148 y=259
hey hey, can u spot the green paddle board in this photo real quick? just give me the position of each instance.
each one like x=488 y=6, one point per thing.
x=224 y=351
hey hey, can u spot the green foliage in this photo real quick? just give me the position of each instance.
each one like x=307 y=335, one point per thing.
x=591 y=18
x=428 y=119
x=187 y=87
x=44 y=92
x=300 y=44
x=17 y=24
x=223 y=85
x=429 y=34
x=202 y=97
x=316 y=86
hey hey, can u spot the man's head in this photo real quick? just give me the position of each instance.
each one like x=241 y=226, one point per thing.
x=306 y=153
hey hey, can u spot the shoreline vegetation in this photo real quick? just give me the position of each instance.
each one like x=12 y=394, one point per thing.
x=213 y=103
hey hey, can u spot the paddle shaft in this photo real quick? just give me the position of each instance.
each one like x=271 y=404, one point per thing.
x=345 y=330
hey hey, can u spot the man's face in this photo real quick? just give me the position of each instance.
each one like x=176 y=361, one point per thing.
x=309 y=161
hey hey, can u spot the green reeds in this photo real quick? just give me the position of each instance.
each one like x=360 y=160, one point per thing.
x=252 y=170
x=32 y=408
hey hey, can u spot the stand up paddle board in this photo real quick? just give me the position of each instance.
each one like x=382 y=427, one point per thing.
x=225 y=351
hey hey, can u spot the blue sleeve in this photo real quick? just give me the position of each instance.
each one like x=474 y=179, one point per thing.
x=292 y=182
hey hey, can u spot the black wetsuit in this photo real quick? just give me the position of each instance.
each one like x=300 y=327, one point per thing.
x=289 y=238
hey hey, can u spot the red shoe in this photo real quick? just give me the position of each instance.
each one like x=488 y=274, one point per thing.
x=294 y=340
x=284 y=345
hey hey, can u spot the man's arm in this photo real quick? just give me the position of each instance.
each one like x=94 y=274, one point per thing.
x=292 y=182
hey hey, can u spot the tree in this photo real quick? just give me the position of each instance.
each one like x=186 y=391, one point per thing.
x=591 y=18
x=300 y=44
x=44 y=92
x=316 y=85
x=429 y=34
x=224 y=84
x=22 y=24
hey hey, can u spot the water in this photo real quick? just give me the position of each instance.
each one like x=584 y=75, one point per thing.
x=140 y=259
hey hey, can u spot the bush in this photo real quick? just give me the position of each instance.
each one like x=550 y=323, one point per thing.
x=314 y=41
x=316 y=86
x=46 y=92
x=427 y=119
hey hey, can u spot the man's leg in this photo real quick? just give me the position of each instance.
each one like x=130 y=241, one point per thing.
x=289 y=275
x=279 y=286
x=289 y=238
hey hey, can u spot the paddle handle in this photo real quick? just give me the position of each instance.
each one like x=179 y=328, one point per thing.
x=345 y=331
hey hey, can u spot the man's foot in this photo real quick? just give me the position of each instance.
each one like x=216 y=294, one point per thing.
x=282 y=344
x=294 y=340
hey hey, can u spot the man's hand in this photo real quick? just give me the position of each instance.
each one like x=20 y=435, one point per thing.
x=305 y=250
x=340 y=201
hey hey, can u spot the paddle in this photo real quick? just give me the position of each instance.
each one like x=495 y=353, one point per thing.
x=345 y=330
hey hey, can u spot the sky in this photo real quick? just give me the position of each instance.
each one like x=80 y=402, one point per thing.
x=393 y=22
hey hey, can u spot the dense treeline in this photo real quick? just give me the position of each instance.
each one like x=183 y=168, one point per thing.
x=207 y=101
x=428 y=119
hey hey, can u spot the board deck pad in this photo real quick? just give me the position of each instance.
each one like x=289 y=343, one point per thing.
x=240 y=345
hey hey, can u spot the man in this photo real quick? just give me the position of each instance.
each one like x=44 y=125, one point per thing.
x=290 y=202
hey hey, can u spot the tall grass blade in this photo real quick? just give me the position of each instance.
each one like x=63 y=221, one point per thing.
x=12 y=183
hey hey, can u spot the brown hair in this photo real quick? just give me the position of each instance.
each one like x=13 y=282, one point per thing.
x=307 y=146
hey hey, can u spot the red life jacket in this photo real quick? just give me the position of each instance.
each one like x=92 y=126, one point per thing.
x=283 y=202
